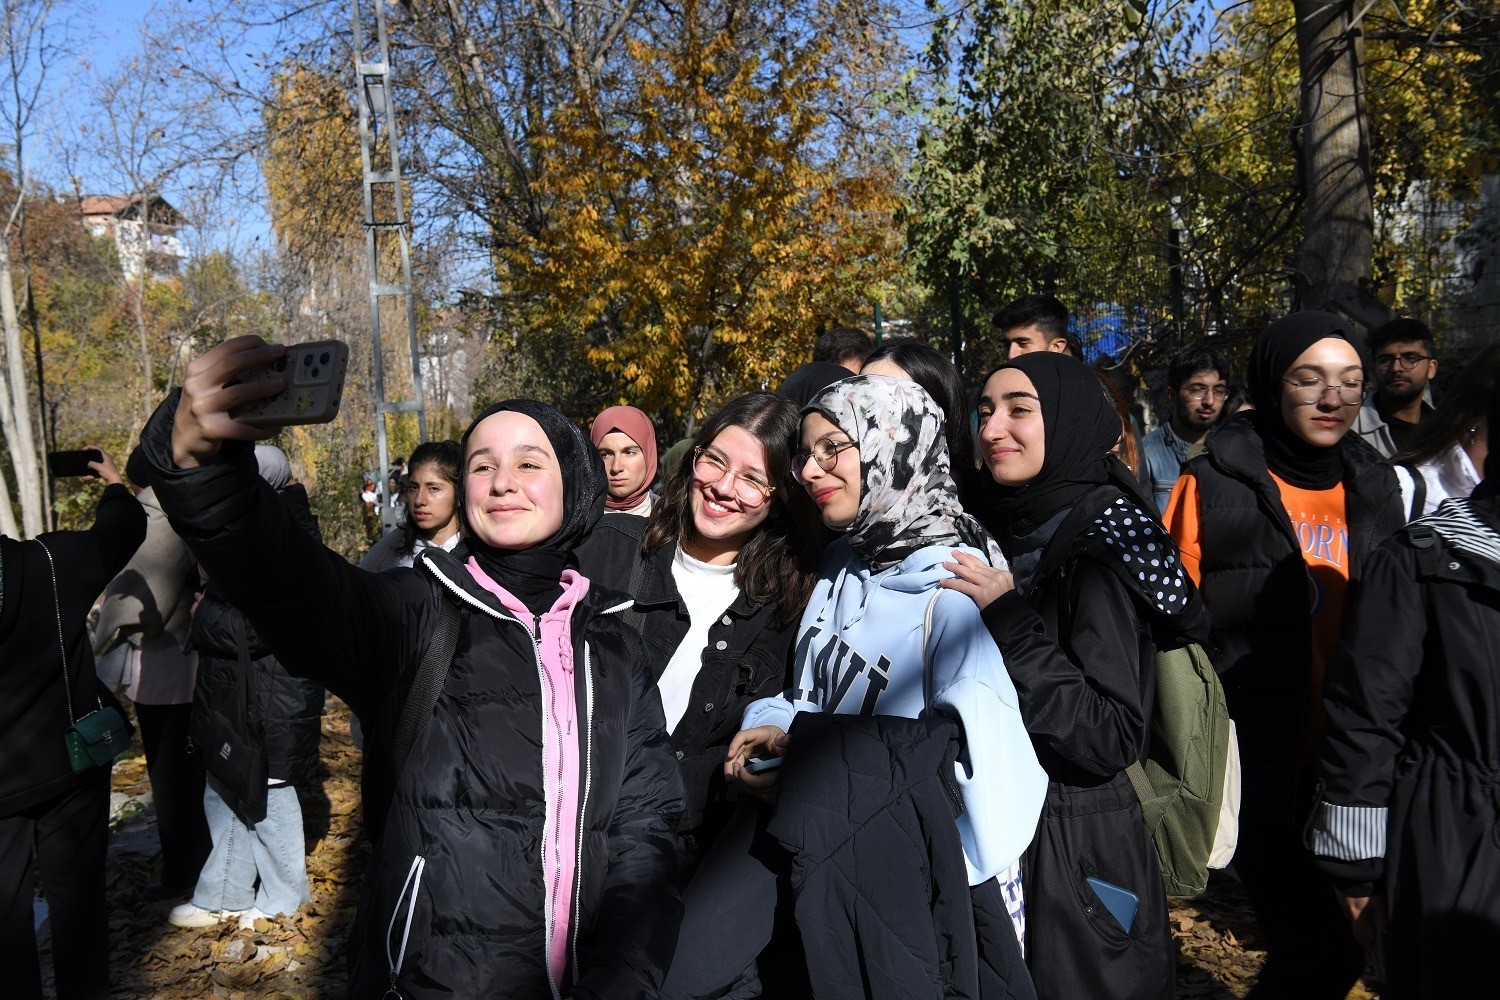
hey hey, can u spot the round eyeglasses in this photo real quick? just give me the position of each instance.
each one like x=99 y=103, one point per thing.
x=1312 y=390
x=710 y=467
x=825 y=451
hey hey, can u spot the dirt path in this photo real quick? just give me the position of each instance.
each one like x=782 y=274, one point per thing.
x=302 y=957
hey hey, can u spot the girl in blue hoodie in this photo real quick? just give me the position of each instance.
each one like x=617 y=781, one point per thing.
x=878 y=637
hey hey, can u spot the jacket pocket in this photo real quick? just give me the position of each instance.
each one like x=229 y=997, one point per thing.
x=398 y=931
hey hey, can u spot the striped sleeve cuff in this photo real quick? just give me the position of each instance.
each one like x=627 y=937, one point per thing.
x=1348 y=833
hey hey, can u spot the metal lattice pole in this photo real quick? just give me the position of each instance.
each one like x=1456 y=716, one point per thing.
x=385 y=214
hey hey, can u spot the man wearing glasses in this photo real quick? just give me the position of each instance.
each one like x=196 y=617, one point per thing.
x=1404 y=365
x=1199 y=381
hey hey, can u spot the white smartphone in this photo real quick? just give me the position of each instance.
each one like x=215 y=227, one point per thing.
x=314 y=389
x=760 y=765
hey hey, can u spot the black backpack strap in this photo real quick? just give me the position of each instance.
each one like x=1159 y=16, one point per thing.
x=1418 y=491
x=432 y=673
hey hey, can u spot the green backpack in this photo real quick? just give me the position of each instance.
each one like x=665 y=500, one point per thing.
x=1189 y=784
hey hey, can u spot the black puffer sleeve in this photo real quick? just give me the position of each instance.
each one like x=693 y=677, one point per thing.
x=635 y=935
x=1081 y=696
x=324 y=619
x=1367 y=692
x=87 y=560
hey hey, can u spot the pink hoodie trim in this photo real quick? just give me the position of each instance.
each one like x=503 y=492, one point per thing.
x=563 y=781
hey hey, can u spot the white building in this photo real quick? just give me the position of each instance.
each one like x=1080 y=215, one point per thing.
x=146 y=239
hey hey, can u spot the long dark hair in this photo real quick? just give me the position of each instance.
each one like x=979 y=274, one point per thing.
x=779 y=563
x=448 y=459
x=1464 y=404
x=936 y=373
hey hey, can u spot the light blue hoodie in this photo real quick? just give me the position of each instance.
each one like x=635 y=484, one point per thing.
x=859 y=650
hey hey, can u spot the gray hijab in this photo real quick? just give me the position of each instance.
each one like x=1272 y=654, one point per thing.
x=908 y=499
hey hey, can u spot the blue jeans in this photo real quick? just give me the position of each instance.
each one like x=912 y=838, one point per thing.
x=271 y=851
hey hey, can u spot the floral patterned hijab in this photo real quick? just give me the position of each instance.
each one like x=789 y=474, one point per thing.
x=908 y=500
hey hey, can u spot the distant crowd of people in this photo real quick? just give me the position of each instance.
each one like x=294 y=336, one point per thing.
x=858 y=691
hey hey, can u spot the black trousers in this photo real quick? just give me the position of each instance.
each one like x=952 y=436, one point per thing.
x=66 y=836
x=177 y=791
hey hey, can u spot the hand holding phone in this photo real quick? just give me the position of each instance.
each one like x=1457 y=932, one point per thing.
x=312 y=378
x=87 y=464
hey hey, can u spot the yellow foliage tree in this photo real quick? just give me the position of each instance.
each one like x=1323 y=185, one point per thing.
x=697 y=241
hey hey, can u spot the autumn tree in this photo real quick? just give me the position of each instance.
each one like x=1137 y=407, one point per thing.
x=696 y=241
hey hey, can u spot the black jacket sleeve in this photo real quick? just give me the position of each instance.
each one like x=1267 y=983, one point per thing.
x=87 y=560
x=1081 y=696
x=633 y=939
x=1367 y=693
x=212 y=630
x=347 y=629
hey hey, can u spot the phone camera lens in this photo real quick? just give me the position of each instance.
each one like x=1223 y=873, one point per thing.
x=307 y=361
x=325 y=358
x=315 y=372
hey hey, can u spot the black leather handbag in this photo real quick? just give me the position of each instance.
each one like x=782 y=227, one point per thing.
x=231 y=738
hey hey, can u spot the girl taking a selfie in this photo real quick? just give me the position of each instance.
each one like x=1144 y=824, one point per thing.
x=522 y=826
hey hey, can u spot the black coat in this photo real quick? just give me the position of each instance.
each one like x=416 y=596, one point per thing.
x=286 y=713
x=1254 y=581
x=462 y=830
x=748 y=656
x=1080 y=647
x=866 y=809
x=1410 y=766
x=34 y=711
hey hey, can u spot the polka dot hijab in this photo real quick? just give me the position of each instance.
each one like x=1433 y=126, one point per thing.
x=1147 y=553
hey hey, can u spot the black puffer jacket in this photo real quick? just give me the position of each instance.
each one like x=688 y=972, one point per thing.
x=748 y=656
x=1252 y=573
x=1254 y=580
x=881 y=891
x=34 y=711
x=455 y=893
x=287 y=711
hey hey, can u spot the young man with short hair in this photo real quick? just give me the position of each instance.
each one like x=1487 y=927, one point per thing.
x=1036 y=323
x=846 y=346
x=1199 y=381
x=1405 y=363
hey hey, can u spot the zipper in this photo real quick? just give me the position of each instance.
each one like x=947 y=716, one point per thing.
x=412 y=884
x=583 y=808
x=547 y=797
x=549 y=699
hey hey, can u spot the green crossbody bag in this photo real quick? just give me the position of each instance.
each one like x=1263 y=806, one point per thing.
x=99 y=737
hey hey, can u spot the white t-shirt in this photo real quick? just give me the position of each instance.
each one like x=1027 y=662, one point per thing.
x=707 y=591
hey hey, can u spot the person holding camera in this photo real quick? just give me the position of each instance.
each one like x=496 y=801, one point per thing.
x=519 y=789
x=59 y=732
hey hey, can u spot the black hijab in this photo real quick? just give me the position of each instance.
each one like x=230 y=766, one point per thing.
x=533 y=574
x=802 y=385
x=1080 y=427
x=1304 y=465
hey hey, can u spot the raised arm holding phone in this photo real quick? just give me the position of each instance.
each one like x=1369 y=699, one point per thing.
x=541 y=729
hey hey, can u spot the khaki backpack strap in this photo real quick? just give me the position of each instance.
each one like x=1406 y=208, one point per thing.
x=1138 y=781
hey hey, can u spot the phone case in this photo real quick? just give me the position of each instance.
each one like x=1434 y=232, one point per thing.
x=314 y=389
x=760 y=765
x=1121 y=903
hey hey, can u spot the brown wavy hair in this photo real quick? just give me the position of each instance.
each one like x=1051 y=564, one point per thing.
x=779 y=564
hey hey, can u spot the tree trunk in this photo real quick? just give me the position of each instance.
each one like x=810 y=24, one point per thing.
x=1333 y=138
x=7 y=515
x=15 y=408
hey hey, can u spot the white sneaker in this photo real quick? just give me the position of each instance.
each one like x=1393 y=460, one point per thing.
x=250 y=916
x=193 y=915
